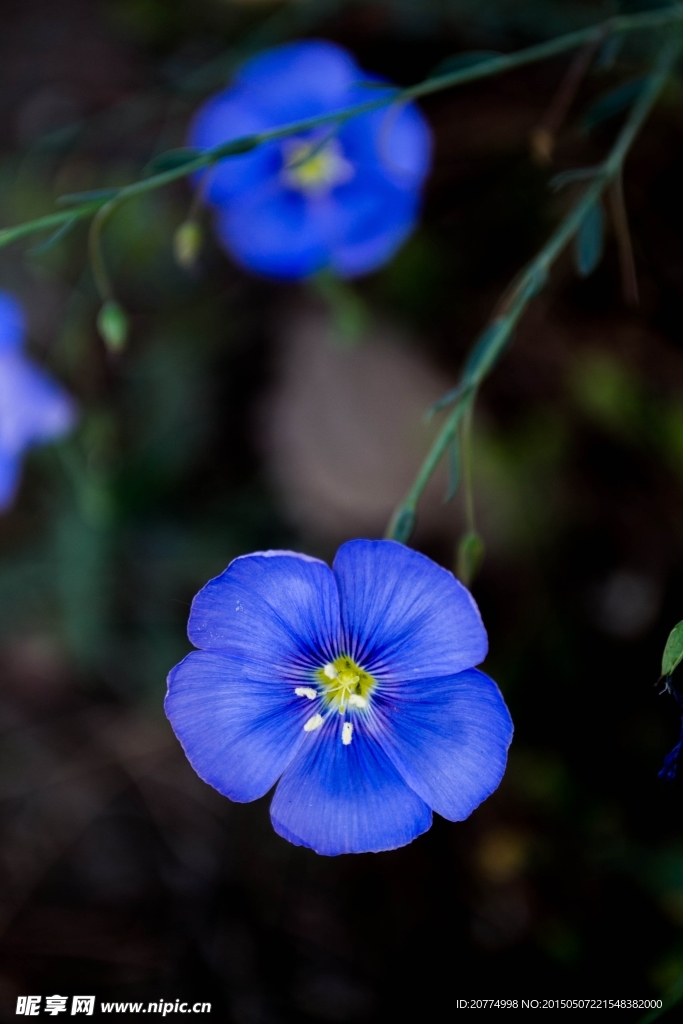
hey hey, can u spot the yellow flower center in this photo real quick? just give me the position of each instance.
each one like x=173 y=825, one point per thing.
x=344 y=684
x=313 y=166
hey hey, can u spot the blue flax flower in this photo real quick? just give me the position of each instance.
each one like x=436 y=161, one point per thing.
x=341 y=198
x=354 y=687
x=33 y=408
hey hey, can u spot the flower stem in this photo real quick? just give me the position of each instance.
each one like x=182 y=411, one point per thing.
x=647 y=20
x=491 y=342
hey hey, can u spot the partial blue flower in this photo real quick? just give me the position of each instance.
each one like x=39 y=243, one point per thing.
x=340 y=198
x=33 y=407
x=355 y=687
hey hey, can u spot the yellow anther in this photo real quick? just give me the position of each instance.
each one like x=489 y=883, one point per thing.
x=314 y=166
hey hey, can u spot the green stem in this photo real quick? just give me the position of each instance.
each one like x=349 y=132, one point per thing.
x=491 y=342
x=484 y=69
x=52 y=220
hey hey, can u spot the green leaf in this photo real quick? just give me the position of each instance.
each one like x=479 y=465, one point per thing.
x=590 y=240
x=451 y=396
x=460 y=61
x=470 y=557
x=79 y=198
x=453 y=468
x=242 y=145
x=534 y=286
x=613 y=102
x=112 y=323
x=403 y=525
x=494 y=339
x=55 y=238
x=608 y=54
x=673 y=651
x=172 y=159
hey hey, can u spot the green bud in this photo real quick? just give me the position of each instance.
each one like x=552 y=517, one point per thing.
x=112 y=323
x=470 y=557
x=187 y=242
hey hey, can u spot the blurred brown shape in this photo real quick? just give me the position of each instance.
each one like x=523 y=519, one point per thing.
x=502 y=855
x=345 y=431
x=542 y=144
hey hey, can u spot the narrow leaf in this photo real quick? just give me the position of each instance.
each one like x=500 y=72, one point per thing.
x=78 y=198
x=242 y=145
x=488 y=348
x=613 y=103
x=673 y=651
x=609 y=52
x=460 y=61
x=55 y=238
x=589 y=242
x=451 y=396
x=172 y=159
x=403 y=525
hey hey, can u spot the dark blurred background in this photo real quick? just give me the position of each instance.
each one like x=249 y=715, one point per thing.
x=241 y=417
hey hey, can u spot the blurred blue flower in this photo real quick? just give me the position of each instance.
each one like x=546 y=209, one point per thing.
x=33 y=408
x=343 y=197
x=354 y=686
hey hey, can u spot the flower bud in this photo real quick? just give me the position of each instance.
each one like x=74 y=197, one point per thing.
x=187 y=242
x=112 y=323
x=470 y=557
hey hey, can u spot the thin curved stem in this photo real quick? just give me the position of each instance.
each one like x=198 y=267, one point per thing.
x=493 y=339
x=647 y=20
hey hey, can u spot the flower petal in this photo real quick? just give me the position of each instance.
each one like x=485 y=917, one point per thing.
x=276 y=611
x=299 y=79
x=336 y=798
x=396 y=140
x=447 y=737
x=10 y=468
x=403 y=616
x=284 y=234
x=12 y=323
x=228 y=116
x=375 y=218
x=33 y=407
x=239 y=733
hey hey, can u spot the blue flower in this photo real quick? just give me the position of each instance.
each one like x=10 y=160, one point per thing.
x=343 y=197
x=33 y=408
x=354 y=687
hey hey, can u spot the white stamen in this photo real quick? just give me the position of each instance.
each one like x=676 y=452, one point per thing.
x=306 y=691
x=347 y=733
x=356 y=701
x=330 y=671
x=313 y=723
